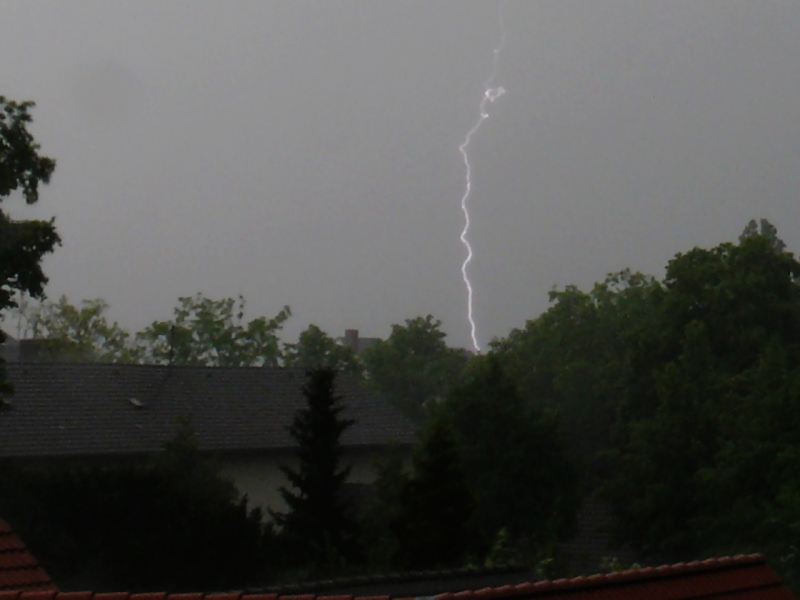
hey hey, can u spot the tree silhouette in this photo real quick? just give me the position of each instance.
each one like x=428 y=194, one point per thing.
x=319 y=529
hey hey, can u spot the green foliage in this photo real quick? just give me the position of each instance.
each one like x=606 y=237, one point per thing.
x=519 y=473
x=707 y=447
x=72 y=333
x=656 y=471
x=204 y=332
x=744 y=294
x=21 y=167
x=213 y=333
x=767 y=231
x=681 y=395
x=489 y=461
x=502 y=550
x=384 y=509
x=414 y=367
x=431 y=522
x=576 y=358
x=23 y=244
x=315 y=349
x=318 y=530
x=170 y=524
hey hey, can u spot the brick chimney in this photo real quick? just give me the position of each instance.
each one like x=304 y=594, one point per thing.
x=351 y=338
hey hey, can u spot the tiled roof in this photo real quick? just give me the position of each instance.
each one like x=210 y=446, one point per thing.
x=63 y=409
x=19 y=570
x=739 y=578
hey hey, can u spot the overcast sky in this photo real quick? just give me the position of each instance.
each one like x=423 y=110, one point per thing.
x=306 y=152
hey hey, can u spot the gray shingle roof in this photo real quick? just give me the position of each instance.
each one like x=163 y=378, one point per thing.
x=93 y=409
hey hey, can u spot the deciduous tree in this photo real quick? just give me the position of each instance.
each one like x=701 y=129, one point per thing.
x=315 y=349
x=23 y=244
x=577 y=358
x=414 y=366
x=213 y=333
x=707 y=447
x=519 y=473
x=76 y=333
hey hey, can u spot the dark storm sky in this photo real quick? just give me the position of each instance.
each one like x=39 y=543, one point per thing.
x=306 y=152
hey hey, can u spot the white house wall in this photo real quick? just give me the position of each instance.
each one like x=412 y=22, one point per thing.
x=260 y=476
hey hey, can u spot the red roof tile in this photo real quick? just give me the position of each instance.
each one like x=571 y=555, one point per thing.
x=19 y=570
x=146 y=596
x=227 y=596
x=38 y=594
x=739 y=578
x=184 y=597
x=75 y=596
x=262 y=596
x=110 y=596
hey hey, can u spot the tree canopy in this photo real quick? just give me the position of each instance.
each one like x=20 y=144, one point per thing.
x=577 y=357
x=315 y=349
x=69 y=332
x=213 y=333
x=24 y=243
x=707 y=433
x=169 y=522
x=414 y=366
x=519 y=473
x=681 y=395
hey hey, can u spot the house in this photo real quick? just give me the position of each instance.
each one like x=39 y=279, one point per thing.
x=741 y=577
x=19 y=570
x=85 y=411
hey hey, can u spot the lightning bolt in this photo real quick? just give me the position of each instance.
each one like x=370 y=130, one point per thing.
x=490 y=94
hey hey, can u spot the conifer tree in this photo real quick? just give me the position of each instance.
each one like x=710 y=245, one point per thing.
x=432 y=524
x=319 y=529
